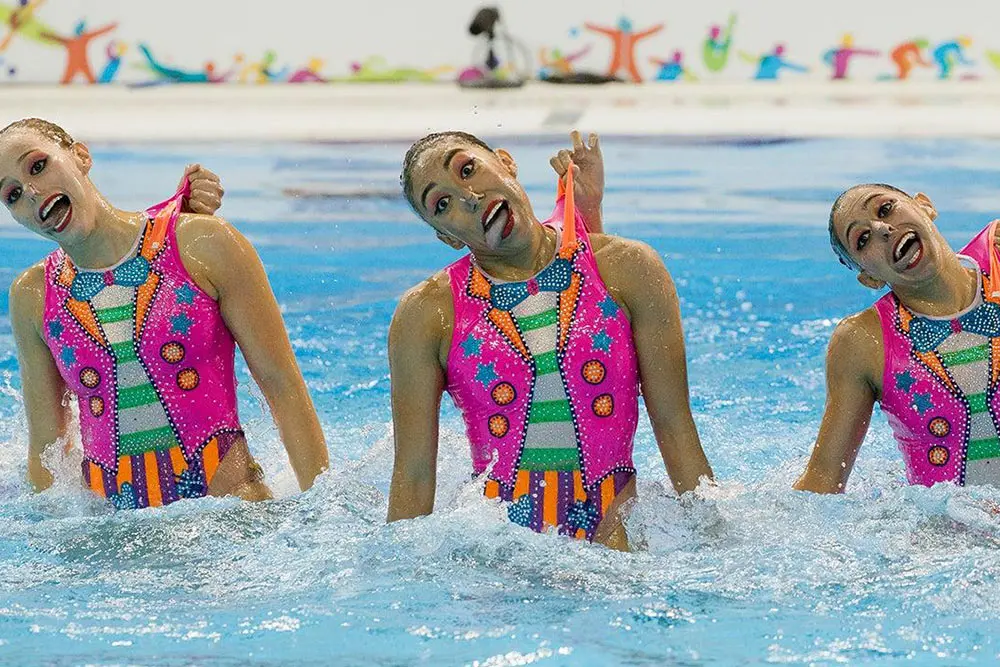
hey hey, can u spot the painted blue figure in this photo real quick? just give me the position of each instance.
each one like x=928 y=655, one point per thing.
x=950 y=54
x=673 y=69
x=769 y=65
x=115 y=51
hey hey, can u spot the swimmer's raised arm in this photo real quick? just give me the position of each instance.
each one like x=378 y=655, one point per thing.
x=418 y=381
x=852 y=368
x=42 y=386
x=224 y=263
x=588 y=177
x=650 y=298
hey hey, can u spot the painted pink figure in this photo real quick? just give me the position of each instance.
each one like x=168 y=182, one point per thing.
x=152 y=363
x=545 y=374
x=840 y=58
x=940 y=380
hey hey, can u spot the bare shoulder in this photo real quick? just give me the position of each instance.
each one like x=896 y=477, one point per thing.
x=618 y=249
x=213 y=251
x=207 y=233
x=861 y=332
x=632 y=271
x=425 y=308
x=856 y=347
x=27 y=295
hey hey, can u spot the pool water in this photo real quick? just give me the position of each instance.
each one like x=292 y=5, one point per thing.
x=756 y=573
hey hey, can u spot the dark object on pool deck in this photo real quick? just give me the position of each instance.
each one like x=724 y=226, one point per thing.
x=491 y=83
x=585 y=78
x=506 y=62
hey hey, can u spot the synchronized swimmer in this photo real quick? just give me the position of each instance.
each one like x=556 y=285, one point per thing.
x=544 y=333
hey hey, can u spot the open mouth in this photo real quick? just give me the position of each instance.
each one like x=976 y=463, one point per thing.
x=56 y=212
x=497 y=212
x=908 y=250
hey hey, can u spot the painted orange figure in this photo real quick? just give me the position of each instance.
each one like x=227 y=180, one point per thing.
x=623 y=49
x=908 y=55
x=77 y=61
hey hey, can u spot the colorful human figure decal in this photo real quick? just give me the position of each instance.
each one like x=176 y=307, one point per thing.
x=673 y=69
x=623 y=43
x=769 y=65
x=839 y=58
x=716 y=48
x=77 y=59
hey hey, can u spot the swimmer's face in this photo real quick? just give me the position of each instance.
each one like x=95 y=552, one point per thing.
x=471 y=196
x=45 y=186
x=891 y=236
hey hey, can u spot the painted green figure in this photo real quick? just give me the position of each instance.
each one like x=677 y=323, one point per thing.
x=716 y=49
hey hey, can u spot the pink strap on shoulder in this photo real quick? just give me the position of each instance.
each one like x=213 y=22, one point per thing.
x=178 y=197
x=161 y=215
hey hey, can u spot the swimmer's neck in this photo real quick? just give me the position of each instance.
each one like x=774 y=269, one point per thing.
x=113 y=236
x=951 y=290
x=522 y=261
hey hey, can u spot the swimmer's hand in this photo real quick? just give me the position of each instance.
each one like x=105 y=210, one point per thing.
x=206 y=190
x=588 y=177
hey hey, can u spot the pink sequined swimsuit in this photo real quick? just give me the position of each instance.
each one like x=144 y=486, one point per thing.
x=940 y=381
x=151 y=362
x=545 y=374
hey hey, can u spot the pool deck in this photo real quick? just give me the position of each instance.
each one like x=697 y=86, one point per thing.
x=403 y=112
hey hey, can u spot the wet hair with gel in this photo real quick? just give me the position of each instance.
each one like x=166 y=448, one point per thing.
x=43 y=127
x=422 y=145
x=838 y=246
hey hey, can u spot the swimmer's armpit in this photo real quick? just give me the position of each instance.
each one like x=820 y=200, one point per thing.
x=206 y=190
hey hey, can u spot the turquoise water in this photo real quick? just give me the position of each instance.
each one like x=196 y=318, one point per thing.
x=755 y=574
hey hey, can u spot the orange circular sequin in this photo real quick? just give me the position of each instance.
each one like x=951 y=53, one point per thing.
x=96 y=406
x=172 y=352
x=503 y=393
x=187 y=379
x=938 y=455
x=594 y=372
x=90 y=378
x=604 y=405
x=939 y=426
x=499 y=426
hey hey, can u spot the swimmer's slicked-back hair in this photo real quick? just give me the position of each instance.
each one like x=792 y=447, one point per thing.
x=838 y=246
x=421 y=145
x=43 y=127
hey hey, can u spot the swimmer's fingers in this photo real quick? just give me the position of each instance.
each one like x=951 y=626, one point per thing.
x=594 y=143
x=187 y=172
x=206 y=190
x=206 y=179
x=206 y=205
x=560 y=162
x=577 y=141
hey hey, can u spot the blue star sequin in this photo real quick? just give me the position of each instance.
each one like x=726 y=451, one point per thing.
x=485 y=374
x=904 y=381
x=56 y=328
x=471 y=345
x=68 y=356
x=520 y=512
x=608 y=306
x=126 y=498
x=184 y=294
x=922 y=403
x=583 y=514
x=190 y=484
x=181 y=323
x=602 y=341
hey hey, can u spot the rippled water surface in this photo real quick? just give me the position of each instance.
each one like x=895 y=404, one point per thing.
x=754 y=574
